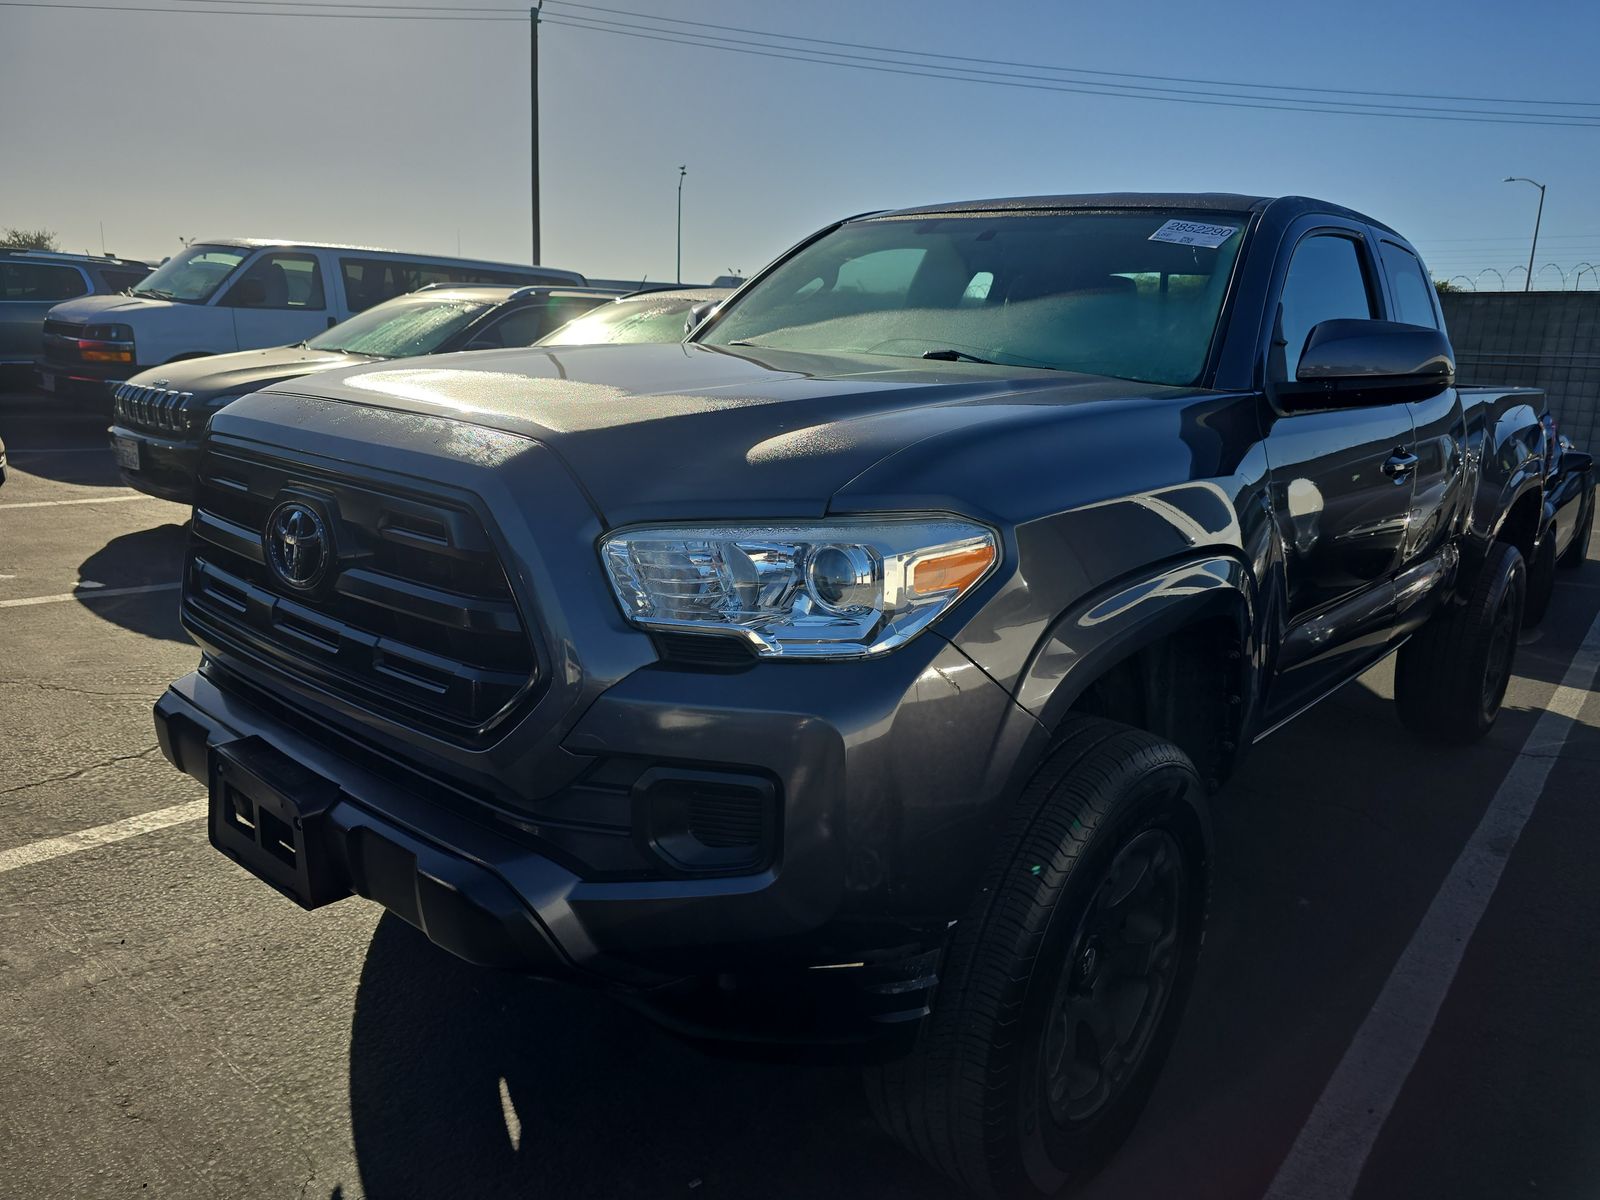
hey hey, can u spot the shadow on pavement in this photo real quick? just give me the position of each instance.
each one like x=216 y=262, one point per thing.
x=141 y=559
x=469 y=1082
x=62 y=441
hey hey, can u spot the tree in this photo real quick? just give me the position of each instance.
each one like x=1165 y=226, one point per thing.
x=28 y=239
x=1444 y=285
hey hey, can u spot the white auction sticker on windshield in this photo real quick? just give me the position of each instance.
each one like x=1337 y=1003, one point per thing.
x=1193 y=233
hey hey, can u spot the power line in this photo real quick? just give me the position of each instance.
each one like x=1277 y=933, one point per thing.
x=377 y=11
x=1112 y=88
x=1279 y=104
x=245 y=12
x=909 y=53
x=1001 y=62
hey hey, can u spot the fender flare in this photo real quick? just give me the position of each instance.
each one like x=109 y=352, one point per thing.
x=1117 y=622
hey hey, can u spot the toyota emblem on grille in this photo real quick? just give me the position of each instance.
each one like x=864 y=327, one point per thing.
x=297 y=545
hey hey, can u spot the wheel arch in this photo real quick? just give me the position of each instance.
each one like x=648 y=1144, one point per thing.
x=1173 y=651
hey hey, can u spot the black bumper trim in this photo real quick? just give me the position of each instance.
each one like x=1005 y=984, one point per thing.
x=460 y=905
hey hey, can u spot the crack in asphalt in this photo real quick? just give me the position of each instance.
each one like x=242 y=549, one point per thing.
x=95 y=766
x=44 y=685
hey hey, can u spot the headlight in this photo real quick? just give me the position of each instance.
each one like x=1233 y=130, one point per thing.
x=836 y=589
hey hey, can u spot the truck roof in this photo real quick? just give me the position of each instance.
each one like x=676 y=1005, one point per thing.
x=257 y=243
x=1222 y=202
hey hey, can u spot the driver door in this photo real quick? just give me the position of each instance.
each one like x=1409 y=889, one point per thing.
x=1340 y=484
x=278 y=299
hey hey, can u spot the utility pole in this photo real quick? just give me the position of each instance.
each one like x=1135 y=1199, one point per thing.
x=1527 y=283
x=682 y=171
x=533 y=137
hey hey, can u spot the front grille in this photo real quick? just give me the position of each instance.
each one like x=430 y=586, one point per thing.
x=162 y=409
x=413 y=617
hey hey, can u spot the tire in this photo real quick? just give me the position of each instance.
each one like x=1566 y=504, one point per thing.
x=1020 y=1084
x=1541 y=581
x=1450 y=678
x=1577 y=553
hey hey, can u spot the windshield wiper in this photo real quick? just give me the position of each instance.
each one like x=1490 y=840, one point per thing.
x=958 y=356
x=158 y=293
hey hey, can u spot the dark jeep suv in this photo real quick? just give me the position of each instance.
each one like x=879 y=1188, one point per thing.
x=160 y=414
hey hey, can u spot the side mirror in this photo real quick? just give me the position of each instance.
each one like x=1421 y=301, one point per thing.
x=698 y=314
x=1354 y=363
x=1576 y=462
x=248 y=293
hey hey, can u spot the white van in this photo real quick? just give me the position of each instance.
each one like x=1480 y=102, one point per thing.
x=226 y=294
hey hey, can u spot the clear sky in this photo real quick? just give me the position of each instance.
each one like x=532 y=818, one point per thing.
x=411 y=134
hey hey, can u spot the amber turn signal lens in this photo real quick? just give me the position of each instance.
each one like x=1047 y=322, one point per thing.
x=952 y=571
x=103 y=352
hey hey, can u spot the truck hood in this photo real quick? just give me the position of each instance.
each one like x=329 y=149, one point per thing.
x=688 y=432
x=109 y=308
x=245 y=371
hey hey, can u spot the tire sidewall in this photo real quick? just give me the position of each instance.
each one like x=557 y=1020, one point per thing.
x=1051 y=1157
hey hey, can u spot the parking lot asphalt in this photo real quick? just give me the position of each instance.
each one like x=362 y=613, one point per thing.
x=170 y=1027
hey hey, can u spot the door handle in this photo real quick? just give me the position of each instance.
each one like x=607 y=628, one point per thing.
x=1399 y=464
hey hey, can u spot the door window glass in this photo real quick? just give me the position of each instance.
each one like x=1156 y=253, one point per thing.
x=279 y=281
x=1413 y=294
x=1327 y=281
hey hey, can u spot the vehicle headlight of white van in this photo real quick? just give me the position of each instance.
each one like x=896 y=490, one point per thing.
x=833 y=589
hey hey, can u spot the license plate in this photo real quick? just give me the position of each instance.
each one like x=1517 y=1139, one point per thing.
x=47 y=383
x=126 y=451
x=269 y=814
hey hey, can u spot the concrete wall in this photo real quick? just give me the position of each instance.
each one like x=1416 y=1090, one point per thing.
x=1548 y=340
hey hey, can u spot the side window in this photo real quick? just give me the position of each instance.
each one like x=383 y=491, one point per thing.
x=526 y=325
x=39 y=282
x=1413 y=294
x=521 y=327
x=881 y=273
x=368 y=282
x=1327 y=281
x=279 y=280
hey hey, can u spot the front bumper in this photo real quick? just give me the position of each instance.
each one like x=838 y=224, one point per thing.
x=166 y=464
x=87 y=381
x=519 y=897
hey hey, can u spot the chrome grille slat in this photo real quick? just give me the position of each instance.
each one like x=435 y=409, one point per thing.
x=165 y=410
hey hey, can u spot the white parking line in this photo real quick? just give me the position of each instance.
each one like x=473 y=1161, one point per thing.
x=100 y=835
x=1327 y=1158
x=97 y=592
x=88 y=500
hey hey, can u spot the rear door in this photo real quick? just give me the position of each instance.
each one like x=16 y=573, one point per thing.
x=1340 y=488
x=28 y=290
x=1438 y=493
x=277 y=299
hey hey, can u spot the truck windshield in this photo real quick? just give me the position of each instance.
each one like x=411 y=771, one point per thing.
x=192 y=275
x=401 y=328
x=1133 y=294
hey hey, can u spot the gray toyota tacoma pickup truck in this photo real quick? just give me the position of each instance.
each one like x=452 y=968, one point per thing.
x=858 y=671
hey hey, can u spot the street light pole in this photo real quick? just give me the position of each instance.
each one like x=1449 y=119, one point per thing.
x=533 y=100
x=1527 y=284
x=682 y=171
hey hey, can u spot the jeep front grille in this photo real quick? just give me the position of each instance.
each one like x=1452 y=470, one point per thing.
x=162 y=409
x=413 y=618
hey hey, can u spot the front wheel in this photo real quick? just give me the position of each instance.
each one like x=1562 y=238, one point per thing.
x=1061 y=989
